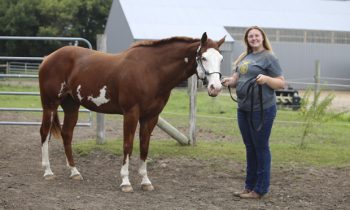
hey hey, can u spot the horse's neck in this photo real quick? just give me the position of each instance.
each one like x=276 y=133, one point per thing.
x=182 y=66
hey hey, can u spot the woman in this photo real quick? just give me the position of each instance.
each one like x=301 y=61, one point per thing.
x=258 y=64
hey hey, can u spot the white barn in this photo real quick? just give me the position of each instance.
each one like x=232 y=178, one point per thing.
x=300 y=31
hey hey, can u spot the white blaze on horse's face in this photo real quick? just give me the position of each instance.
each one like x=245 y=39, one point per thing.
x=211 y=60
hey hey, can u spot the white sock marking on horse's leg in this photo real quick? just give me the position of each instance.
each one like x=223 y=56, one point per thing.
x=143 y=173
x=45 y=162
x=124 y=172
x=45 y=158
x=74 y=171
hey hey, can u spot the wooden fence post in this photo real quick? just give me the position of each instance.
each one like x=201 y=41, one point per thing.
x=317 y=79
x=192 y=87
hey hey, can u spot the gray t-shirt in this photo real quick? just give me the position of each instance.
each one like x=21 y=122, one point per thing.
x=251 y=66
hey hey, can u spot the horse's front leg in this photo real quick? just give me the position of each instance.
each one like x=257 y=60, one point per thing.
x=146 y=128
x=129 y=127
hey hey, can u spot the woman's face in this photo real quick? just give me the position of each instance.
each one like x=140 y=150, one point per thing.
x=255 y=39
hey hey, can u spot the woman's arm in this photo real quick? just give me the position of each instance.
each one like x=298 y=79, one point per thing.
x=273 y=82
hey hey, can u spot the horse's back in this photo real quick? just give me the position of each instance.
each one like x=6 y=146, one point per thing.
x=62 y=58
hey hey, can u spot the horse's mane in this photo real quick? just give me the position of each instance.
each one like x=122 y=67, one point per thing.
x=150 y=43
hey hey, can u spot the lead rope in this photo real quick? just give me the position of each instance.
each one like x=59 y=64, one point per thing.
x=250 y=90
x=252 y=108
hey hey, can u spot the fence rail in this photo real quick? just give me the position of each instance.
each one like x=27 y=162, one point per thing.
x=9 y=74
x=21 y=68
x=12 y=109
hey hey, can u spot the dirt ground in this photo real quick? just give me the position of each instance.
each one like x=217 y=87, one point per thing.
x=179 y=183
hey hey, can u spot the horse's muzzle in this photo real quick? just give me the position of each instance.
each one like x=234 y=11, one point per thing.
x=213 y=91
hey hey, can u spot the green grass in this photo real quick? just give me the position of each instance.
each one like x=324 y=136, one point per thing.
x=316 y=155
x=327 y=146
x=168 y=148
x=19 y=101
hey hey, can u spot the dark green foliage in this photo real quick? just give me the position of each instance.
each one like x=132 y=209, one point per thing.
x=67 y=18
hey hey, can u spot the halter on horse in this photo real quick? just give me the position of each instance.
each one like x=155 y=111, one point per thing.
x=135 y=83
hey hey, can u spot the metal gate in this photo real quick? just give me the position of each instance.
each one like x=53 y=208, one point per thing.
x=3 y=109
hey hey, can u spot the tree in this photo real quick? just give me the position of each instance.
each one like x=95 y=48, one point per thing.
x=92 y=18
x=66 y=18
x=18 y=18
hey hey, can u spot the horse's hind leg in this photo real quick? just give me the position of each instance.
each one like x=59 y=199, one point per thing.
x=45 y=132
x=146 y=128
x=71 y=110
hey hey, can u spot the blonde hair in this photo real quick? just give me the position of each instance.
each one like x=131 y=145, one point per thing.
x=266 y=44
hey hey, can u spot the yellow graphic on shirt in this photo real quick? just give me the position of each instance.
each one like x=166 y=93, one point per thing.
x=243 y=69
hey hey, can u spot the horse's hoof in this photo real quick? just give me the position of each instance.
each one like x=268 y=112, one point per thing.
x=127 y=188
x=49 y=177
x=76 y=177
x=147 y=187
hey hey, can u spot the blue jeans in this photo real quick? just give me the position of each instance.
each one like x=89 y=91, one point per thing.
x=258 y=154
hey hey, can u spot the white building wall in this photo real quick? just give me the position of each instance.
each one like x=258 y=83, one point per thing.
x=298 y=61
x=118 y=33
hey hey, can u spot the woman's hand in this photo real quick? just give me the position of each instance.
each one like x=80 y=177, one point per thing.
x=273 y=82
x=227 y=81
x=262 y=79
x=230 y=81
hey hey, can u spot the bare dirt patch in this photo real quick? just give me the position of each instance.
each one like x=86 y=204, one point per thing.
x=180 y=183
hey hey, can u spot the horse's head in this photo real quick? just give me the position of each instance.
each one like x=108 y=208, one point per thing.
x=209 y=59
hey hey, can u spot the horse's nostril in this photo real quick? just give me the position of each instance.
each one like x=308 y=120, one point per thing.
x=212 y=87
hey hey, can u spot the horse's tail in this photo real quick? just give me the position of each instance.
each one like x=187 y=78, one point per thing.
x=56 y=126
x=50 y=115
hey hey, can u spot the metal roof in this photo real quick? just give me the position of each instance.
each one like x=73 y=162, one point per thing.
x=155 y=19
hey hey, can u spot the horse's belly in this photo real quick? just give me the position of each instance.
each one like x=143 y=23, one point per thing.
x=106 y=108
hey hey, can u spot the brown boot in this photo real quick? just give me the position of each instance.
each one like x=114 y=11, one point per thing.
x=238 y=194
x=250 y=195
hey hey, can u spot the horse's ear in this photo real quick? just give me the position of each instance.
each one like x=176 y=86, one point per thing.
x=204 y=38
x=221 y=41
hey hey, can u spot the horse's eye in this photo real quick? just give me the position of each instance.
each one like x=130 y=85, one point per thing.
x=204 y=59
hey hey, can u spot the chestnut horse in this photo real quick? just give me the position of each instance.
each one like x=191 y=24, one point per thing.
x=135 y=83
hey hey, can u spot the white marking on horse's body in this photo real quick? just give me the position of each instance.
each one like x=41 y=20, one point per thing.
x=143 y=173
x=101 y=99
x=186 y=60
x=61 y=90
x=124 y=172
x=78 y=93
x=45 y=153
